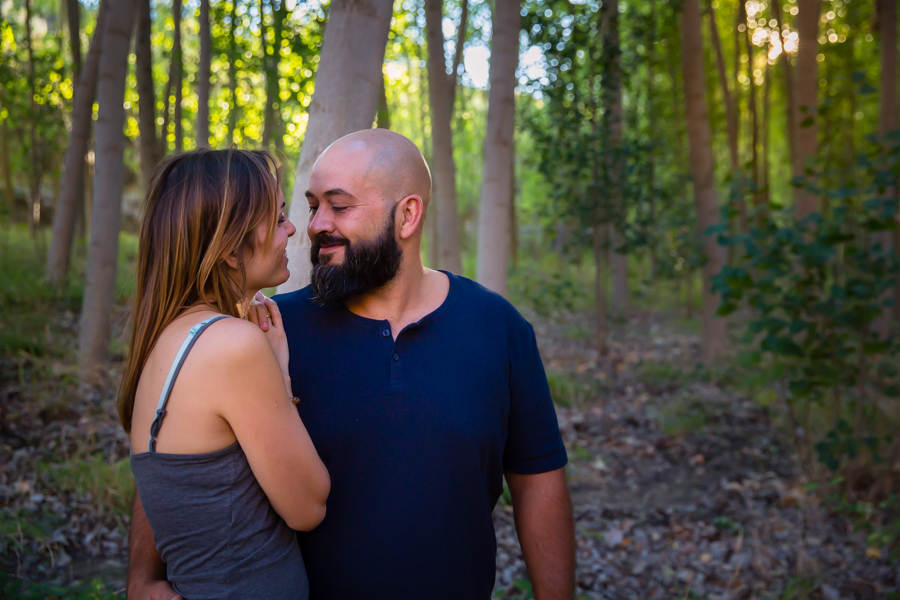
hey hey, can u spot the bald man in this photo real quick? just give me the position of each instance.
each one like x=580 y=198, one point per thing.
x=421 y=390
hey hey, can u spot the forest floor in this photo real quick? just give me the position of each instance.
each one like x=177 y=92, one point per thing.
x=682 y=487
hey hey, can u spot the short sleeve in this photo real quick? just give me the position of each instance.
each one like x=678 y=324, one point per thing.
x=534 y=444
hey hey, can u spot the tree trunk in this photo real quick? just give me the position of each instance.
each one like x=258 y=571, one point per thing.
x=34 y=187
x=232 y=73
x=383 y=117
x=271 y=79
x=887 y=25
x=754 y=135
x=7 y=171
x=441 y=89
x=618 y=262
x=731 y=118
x=345 y=100
x=73 y=16
x=701 y=158
x=177 y=72
x=788 y=79
x=71 y=197
x=601 y=310
x=494 y=223
x=146 y=97
x=100 y=284
x=806 y=88
x=203 y=74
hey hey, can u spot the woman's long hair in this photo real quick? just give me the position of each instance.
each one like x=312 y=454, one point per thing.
x=202 y=207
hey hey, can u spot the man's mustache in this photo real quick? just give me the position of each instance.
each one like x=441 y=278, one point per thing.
x=330 y=240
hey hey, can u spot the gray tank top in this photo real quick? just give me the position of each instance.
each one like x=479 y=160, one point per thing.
x=214 y=526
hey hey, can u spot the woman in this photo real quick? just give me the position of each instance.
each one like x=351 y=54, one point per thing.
x=225 y=469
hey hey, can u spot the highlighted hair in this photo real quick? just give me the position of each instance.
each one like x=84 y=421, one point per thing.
x=202 y=207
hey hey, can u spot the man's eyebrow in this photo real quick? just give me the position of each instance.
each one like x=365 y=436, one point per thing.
x=337 y=192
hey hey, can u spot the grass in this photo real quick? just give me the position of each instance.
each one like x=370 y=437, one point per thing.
x=109 y=486
x=29 y=307
x=567 y=391
x=682 y=416
x=14 y=589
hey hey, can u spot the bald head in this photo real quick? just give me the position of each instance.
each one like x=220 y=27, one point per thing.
x=386 y=160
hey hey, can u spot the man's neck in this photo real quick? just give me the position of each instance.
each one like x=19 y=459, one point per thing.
x=411 y=295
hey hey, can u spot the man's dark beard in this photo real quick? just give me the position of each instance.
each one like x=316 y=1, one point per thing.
x=367 y=266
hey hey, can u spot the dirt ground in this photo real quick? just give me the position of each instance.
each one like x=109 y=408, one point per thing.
x=681 y=487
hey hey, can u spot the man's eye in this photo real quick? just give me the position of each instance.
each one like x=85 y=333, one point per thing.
x=339 y=208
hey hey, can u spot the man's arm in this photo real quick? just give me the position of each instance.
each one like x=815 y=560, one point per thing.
x=146 y=570
x=543 y=514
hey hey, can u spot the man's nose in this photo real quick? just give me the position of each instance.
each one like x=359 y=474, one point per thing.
x=320 y=221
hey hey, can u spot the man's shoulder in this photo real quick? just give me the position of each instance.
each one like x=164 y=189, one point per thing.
x=296 y=300
x=479 y=299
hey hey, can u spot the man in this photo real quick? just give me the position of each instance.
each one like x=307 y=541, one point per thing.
x=420 y=389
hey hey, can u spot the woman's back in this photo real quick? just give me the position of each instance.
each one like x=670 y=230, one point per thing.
x=212 y=522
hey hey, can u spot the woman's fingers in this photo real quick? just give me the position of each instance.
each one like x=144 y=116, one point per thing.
x=258 y=312
x=272 y=307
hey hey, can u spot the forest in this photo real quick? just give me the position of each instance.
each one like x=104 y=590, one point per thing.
x=694 y=202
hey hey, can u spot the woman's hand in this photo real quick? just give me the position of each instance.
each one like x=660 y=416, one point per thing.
x=264 y=313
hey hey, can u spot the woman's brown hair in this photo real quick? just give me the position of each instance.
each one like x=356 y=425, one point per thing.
x=202 y=207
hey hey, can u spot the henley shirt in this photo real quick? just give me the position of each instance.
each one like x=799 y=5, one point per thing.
x=416 y=435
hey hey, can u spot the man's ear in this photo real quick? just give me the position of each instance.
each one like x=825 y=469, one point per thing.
x=412 y=210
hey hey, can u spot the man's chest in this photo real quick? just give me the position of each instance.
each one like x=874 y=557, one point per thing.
x=412 y=393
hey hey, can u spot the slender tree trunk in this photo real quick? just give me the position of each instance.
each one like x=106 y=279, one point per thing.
x=271 y=78
x=34 y=216
x=701 y=157
x=787 y=76
x=494 y=224
x=345 y=100
x=71 y=197
x=232 y=73
x=731 y=119
x=73 y=16
x=618 y=262
x=100 y=284
x=177 y=70
x=203 y=75
x=766 y=126
x=806 y=88
x=440 y=92
x=601 y=309
x=887 y=25
x=146 y=96
x=754 y=134
x=7 y=171
x=383 y=118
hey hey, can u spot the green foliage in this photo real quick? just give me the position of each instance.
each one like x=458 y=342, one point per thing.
x=815 y=288
x=568 y=391
x=15 y=589
x=546 y=291
x=107 y=485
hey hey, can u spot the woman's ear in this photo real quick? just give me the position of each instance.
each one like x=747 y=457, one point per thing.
x=232 y=260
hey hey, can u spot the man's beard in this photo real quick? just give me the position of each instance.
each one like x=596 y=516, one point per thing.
x=367 y=266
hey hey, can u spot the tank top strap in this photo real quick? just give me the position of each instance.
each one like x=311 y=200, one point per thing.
x=186 y=346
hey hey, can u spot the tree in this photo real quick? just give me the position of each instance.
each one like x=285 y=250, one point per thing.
x=494 y=222
x=100 y=282
x=272 y=127
x=618 y=262
x=71 y=189
x=203 y=74
x=73 y=15
x=712 y=339
x=175 y=75
x=232 y=72
x=35 y=166
x=441 y=93
x=345 y=100
x=887 y=121
x=806 y=89
x=731 y=118
x=146 y=97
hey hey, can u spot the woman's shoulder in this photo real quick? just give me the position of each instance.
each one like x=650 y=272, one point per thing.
x=233 y=339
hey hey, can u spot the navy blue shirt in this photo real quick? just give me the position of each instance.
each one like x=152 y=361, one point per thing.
x=416 y=434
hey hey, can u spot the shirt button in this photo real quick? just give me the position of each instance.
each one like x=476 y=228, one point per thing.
x=385 y=332
x=396 y=356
